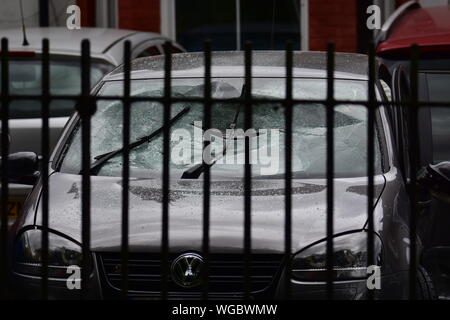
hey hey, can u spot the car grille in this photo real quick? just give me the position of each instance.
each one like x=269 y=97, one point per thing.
x=226 y=276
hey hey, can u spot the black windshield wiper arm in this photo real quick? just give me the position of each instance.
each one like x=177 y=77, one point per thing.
x=103 y=158
x=195 y=171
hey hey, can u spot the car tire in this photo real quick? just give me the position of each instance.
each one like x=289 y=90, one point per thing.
x=425 y=289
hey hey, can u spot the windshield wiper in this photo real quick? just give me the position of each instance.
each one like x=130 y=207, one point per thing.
x=103 y=158
x=195 y=171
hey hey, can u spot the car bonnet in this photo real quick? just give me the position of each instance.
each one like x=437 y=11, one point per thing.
x=186 y=212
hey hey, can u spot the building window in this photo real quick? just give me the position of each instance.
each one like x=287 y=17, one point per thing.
x=268 y=24
x=197 y=20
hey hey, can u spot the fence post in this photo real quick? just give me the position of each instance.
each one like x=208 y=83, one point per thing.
x=126 y=165
x=371 y=107
x=247 y=171
x=4 y=176
x=45 y=160
x=85 y=109
x=206 y=174
x=330 y=103
x=166 y=168
x=288 y=170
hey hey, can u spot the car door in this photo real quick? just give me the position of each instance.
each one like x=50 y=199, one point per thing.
x=436 y=88
x=433 y=146
x=405 y=131
x=436 y=144
x=400 y=93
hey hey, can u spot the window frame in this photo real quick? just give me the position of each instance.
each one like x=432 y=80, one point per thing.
x=168 y=21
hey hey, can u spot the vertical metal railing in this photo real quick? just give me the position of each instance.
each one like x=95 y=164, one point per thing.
x=4 y=175
x=207 y=172
x=371 y=107
x=330 y=104
x=248 y=107
x=126 y=165
x=288 y=169
x=85 y=109
x=166 y=169
x=45 y=149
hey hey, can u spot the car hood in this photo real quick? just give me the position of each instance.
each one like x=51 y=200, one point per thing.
x=185 y=212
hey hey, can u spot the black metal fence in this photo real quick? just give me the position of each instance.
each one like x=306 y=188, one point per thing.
x=86 y=103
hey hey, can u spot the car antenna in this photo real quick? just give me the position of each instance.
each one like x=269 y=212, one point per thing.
x=25 y=41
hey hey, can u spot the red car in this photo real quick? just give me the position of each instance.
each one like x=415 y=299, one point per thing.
x=429 y=28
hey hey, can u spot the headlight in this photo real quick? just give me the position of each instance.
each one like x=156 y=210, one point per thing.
x=350 y=258
x=62 y=253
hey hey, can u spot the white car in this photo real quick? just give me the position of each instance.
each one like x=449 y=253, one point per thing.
x=65 y=78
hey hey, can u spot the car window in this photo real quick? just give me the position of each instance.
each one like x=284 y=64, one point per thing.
x=65 y=79
x=438 y=91
x=309 y=129
x=175 y=49
x=149 y=51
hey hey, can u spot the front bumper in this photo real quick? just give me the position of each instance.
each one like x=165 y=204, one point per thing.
x=99 y=287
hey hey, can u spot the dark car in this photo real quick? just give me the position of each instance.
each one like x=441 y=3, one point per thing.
x=391 y=202
x=429 y=29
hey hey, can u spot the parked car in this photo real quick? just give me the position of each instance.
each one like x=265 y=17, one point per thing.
x=391 y=202
x=65 y=51
x=429 y=28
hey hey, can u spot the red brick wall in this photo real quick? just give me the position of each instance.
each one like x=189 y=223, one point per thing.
x=87 y=8
x=143 y=15
x=333 y=20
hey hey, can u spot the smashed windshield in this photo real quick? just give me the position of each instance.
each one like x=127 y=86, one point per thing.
x=227 y=136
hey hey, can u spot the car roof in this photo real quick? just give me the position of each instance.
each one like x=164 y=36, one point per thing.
x=264 y=64
x=104 y=42
x=428 y=27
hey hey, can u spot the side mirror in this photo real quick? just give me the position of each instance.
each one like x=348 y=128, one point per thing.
x=436 y=178
x=23 y=167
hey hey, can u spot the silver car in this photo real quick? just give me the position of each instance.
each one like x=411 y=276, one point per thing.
x=309 y=195
x=65 y=51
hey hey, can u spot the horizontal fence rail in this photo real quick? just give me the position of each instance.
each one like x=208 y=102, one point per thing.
x=86 y=107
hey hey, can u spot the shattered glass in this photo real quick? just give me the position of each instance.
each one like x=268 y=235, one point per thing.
x=266 y=143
